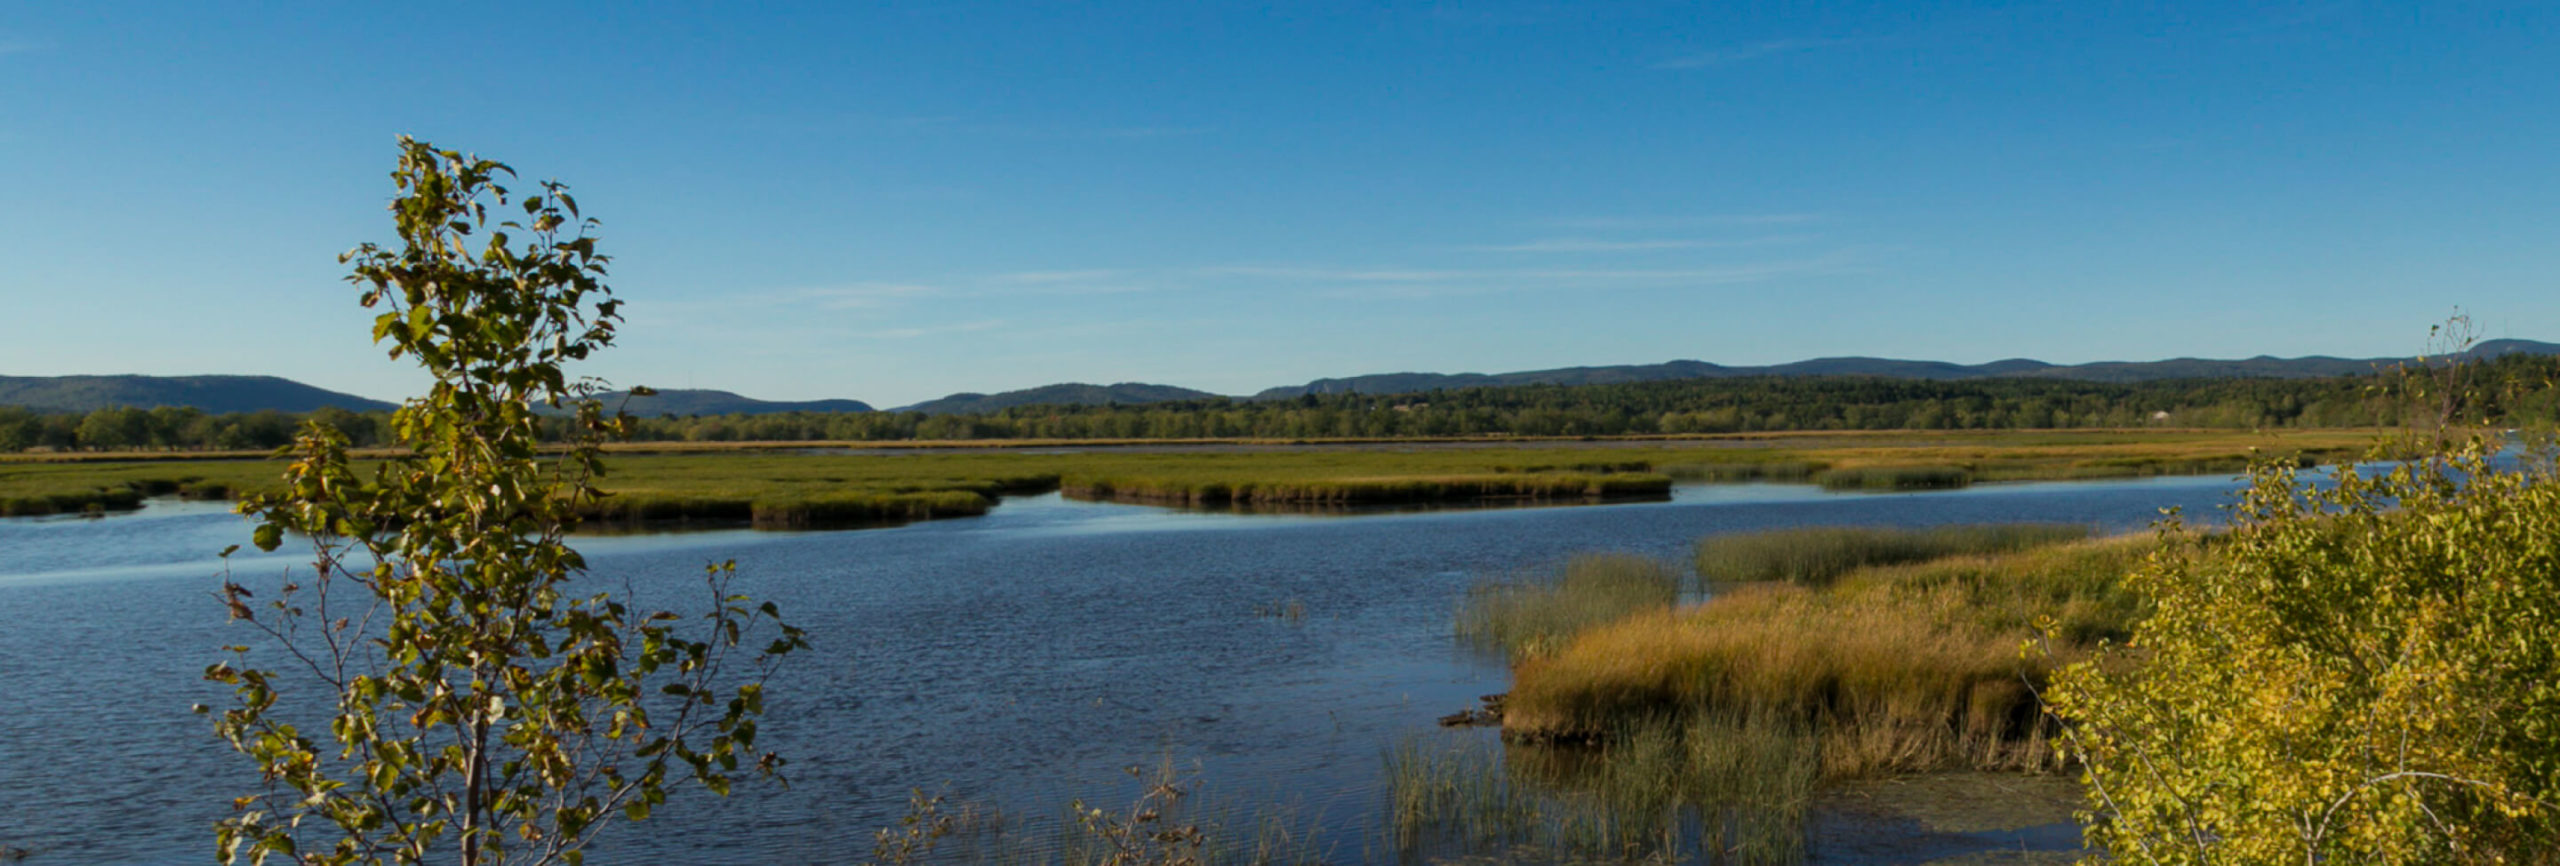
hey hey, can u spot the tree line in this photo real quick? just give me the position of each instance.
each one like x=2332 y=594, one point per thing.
x=173 y=428
x=2512 y=389
x=2515 y=389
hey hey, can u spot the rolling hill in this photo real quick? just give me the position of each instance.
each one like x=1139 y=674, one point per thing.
x=1076 y=393
x=216 y=394
x=221 y=394
x=2262 y=366
x=704 y=401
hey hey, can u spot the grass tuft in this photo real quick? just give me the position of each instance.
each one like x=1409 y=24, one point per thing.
x=1757 y=470
x=1817 y=554
x=1899 y=668
x=1281 y=489
x=1894 y=478
x=1736 y=791
x=1536 y=615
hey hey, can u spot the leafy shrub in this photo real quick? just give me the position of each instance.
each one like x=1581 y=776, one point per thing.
x=2365 y=673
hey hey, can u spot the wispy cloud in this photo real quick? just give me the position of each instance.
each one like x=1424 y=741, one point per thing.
x=1730 y=55
x=1075 y=276
x=1416 y=282
x=1689 y=222
x=1330 y=274
x=952 y=124
x=861 y=295
x=1060 y=283
x=916 y=121
x=931 y=330
x=940 y=292
x=1121 y=132
x=1527 y=281
x=16 y=46
x=1069 y=290
x=1592 y=245
x=850 y=296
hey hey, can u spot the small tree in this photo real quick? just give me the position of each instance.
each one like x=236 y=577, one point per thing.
x=488 y=705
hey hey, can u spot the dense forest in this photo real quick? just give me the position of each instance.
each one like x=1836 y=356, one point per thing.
x=2511 y=389
x=170 y=428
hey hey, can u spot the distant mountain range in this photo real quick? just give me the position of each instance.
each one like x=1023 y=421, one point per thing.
x=217 y=394
x=690 y=401
x=1050 y=395
x=252 y=393
x=2262 y=366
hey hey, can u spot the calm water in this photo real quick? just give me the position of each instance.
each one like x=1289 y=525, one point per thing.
x=1017 y=659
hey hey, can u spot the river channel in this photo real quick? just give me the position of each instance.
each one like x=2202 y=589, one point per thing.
x=1017 y=660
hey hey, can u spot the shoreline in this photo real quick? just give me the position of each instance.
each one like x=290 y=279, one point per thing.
x=786 y=486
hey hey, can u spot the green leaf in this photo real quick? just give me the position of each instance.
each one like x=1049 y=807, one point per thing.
x=485 y=625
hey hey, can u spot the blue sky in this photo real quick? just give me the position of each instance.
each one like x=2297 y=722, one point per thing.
x=891 y=202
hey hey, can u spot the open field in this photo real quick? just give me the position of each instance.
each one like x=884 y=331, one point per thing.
x=833 y=484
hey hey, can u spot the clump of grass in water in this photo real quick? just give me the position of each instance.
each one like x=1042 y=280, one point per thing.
x=1185 y=490
x=855 y=509
x=1535 y=616
x=1763 y=470
x=99 y=501
x=1900 y=668
x=1815 y=555
x=1722 y=790
x=1291 y=611
x=1895 y=478
x=1167 y=822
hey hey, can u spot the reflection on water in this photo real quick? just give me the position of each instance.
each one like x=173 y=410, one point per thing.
x=1709 y=792
x=1019 y=659
x=1364 y=509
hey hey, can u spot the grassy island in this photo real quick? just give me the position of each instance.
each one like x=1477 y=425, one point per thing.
x=807 y=485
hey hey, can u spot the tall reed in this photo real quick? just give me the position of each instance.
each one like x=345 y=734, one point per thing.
x=1249 y=490
x=1894 y=478
x=1536 y=614
x=1909 y=667
x=1722 y=790
x=1754 y=470
x=1817 y=554
x=1168 y=819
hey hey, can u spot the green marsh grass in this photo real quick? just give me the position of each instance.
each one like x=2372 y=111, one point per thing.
x=30 y=487
x=1536 y=614
x=1817 y=554
x=1170 y=819
x=784 y=487
x=1701 y=789
x=1894 y=478
x=1180 y=490
x=1791 y=471
x=1291 y=611
x=1897 y=668
x=859 y=508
